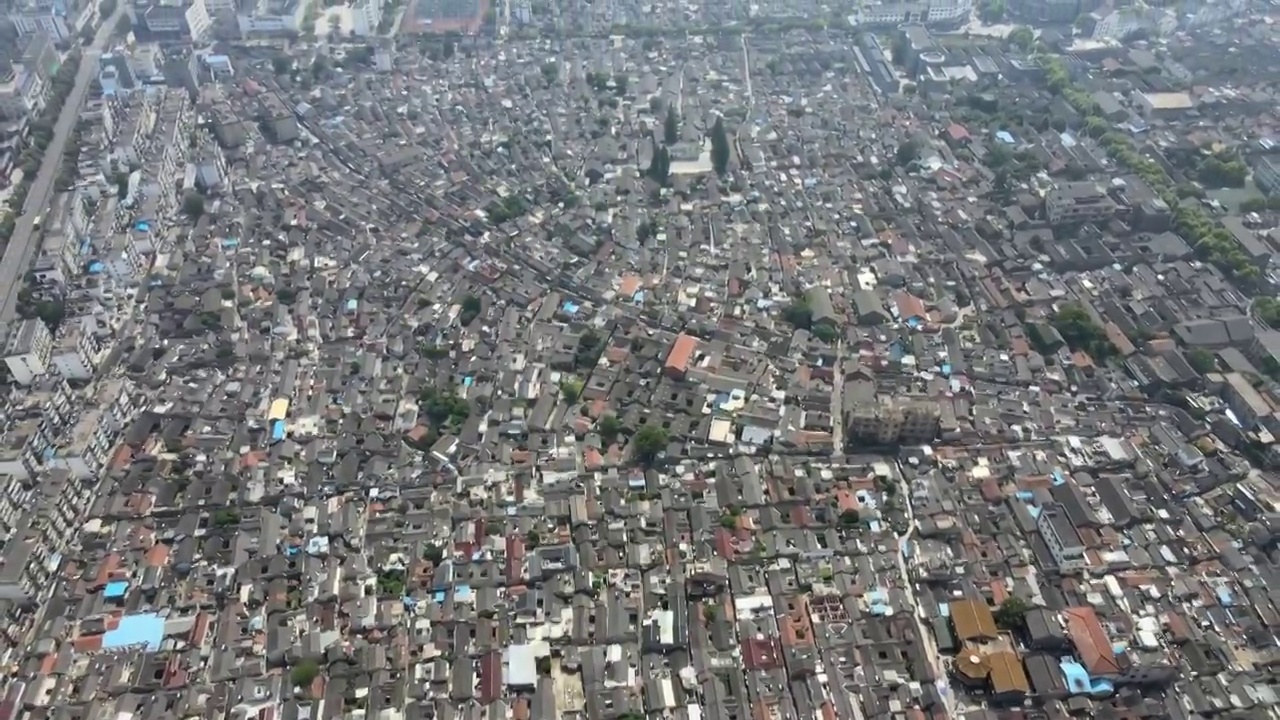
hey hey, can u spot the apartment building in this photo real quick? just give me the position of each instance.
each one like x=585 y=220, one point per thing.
x=35 y=423
x=76 y=349
x=1266 y=173
x=893 y=420
x=47 y=20
x=270 y=16
x=899 y=12
x=22 y=92
x=28 y=350
x=1063 y=539
x=1078 y=202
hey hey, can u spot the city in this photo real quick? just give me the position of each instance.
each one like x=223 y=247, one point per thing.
x=599 y=359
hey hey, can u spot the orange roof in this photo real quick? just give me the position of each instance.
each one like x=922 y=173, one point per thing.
x=122 y=457
x=157 y=556
x=629 y=285
x=909 y=306
x=845 y=500
x=87 y=643
x=1091 y=641
x=973 y=620
x=681 y=352
x=1007 y=674
x=998 y=592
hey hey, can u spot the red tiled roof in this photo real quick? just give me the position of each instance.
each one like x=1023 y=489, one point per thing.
x=681 y=353
x=760 y=654
x=1091 y=641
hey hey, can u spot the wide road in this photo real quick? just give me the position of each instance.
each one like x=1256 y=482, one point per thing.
x=22 y=245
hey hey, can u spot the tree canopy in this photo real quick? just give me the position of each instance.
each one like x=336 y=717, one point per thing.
x=671 y=126
x=649 y=443
x=719 y=147
x=1081 y=333
x=304 y=673
x=1201 y=360
x=1011 y=612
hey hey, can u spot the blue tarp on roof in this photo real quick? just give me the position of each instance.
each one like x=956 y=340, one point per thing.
x=96 y=267
x=144 y=629
x=115 y=589
x=1078 y=681
x=277 y=430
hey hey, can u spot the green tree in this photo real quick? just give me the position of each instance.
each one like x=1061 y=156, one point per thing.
x=304 y=673
x=660 y=165
x=1081 y=333
x=282 y=64
x=609 y=427
x=849 y=517
x=719 y=147
x=671 y=126
x=1096 y=127
x=433 y=554
x=588 y=351
x=1022 y=38
x=571 y=389
x=471 y=307
x=193 y=205
x=825 y=332
x=391 y=583
x=1011 y=612
x=992 y=11
x=1222 y=172
x=798 y=314
x=226 y=518
x=1201 y=360
x=908 y=152
x=648 y=443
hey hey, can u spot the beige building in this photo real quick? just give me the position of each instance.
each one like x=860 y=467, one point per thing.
x=875 y=419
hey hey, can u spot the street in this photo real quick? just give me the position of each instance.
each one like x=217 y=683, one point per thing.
x=22 y=245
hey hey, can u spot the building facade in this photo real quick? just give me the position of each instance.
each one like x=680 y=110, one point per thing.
x=1078 y=202
x=1062 y=538
x=41 y=21
x=894 y=13
x=28 y=350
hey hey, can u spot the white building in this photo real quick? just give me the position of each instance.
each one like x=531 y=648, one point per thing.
x=271 y=16
x=200 y=22
x=906 y=12
x=28 y=350
x=1078 y=202
x=21 y=92
x=1205 y=13
x=47 y=21
x=365 y=16
x=76 y=351
x=1123 y=22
